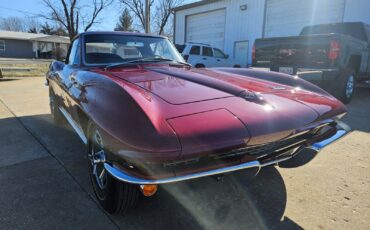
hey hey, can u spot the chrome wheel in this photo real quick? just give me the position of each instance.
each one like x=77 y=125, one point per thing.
x=350 y=86
x=97 y=158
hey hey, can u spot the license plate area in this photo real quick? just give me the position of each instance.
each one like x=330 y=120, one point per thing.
x=287 y=70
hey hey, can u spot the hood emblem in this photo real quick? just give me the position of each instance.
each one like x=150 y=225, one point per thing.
x=278 y=87
x=251 y=96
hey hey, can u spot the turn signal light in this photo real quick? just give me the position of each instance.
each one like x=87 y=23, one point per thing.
x=148 y=189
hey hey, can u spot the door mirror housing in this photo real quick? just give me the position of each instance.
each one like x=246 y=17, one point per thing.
x=226 y=56
x=57 y=65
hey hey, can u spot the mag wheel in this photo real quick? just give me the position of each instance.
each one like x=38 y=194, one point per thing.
x=347 y=86
x=113 y=195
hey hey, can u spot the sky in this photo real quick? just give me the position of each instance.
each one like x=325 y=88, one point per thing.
x=22 y=8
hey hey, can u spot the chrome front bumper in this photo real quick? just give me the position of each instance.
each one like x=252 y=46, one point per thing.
x=342 y=130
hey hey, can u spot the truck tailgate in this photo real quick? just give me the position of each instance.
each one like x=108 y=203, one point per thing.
x=296 y=51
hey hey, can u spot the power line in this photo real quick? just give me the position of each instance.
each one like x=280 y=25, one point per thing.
x=20 y=11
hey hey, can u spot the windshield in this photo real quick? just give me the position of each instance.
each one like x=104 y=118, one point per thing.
x=112 y=49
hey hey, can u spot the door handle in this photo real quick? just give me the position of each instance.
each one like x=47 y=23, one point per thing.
x=204 y=58
x=218 y=60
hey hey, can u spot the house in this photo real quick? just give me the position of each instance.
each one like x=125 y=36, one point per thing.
x=30 y=45
x=233 y=25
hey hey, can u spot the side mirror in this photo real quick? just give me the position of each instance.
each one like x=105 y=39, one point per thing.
x=226 y=56
x=57 y=65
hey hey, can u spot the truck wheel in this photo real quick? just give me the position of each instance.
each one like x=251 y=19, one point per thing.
x=58 y=117
x=347 y=86
x=113 y=195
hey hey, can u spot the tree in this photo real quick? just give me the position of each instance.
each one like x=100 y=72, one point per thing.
x=33 y=24
x=47 y=29
x=125 y=21
x=138 y=8
x=13 y=24
x=162 y=12
x=73 y=14
x=60 y=31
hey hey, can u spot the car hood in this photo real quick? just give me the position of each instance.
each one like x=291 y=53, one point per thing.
x=183 y=86
x=212 y=109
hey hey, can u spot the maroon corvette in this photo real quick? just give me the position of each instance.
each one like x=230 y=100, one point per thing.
x=148 y=118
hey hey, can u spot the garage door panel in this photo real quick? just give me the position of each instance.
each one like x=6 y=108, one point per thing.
x=288 y=17
x=208 y=27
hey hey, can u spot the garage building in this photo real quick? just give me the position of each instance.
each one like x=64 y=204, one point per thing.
x=233 y=25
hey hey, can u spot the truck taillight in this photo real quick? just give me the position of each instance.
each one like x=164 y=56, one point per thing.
x=334 y=50
x=254 y=53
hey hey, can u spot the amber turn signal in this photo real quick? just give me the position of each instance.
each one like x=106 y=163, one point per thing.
x=148 y=189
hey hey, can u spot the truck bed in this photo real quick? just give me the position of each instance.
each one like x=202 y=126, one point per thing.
x=294 y=51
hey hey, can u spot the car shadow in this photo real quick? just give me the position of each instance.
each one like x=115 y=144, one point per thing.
x=358 y=110
x=8 y=79
x=239 y=201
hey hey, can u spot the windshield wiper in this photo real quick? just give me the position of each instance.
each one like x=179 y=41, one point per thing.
x=147 y=59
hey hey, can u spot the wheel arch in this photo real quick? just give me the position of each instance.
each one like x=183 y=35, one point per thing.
x=354 y=63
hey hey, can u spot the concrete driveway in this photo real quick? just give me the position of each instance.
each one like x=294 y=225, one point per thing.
x=44 y=180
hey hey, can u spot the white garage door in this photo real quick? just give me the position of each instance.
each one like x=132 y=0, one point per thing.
x=207 y=28
x=288 y=17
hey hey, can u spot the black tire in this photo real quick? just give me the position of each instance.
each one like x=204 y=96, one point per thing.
x=236 y=66
x=113 y=195
x=200 y=66
x=58 y=117
x=346 y=87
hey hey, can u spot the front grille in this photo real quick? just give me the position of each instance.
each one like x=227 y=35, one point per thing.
x=266 y=149
x=276 y=148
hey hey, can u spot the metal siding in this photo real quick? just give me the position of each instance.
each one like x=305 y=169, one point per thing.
x=240 y=25
x=288 y=17
x=17 y=49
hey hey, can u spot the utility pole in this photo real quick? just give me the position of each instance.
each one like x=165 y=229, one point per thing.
x=147 y=16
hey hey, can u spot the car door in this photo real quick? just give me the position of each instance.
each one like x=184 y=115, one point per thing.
x=194 y=57
x=207 y=57
x=62 y=77
x=70 y=85
x=221 y=58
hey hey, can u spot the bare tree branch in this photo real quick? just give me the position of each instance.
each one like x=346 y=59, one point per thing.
x=69 y=13
x=162 y=12
x=138 y=9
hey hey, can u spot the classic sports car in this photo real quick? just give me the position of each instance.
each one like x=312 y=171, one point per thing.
x=148 y=118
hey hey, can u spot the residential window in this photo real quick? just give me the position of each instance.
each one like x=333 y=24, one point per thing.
x=195 y=50
x=207 y=51
x=2 y=45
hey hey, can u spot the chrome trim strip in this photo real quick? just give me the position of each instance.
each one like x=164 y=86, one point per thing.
x=320 y=145
x=342 y=130
x=74 y=125
x=276 y=161
x=120 y=175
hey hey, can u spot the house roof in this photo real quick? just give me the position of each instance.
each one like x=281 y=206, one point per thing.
x=32 y=37
x=194 y=4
